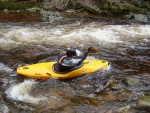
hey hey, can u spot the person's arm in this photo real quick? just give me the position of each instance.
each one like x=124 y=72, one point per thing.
x=78 y=61
x=79 y=54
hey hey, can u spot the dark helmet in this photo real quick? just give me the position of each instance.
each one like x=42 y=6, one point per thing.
x=71 y=51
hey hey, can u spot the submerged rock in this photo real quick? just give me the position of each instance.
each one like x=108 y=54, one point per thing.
x=126 y=109
x=143 y=103
x=134 y=82
x=4 y=109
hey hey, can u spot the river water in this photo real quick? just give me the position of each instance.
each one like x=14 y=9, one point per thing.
x=126 y=45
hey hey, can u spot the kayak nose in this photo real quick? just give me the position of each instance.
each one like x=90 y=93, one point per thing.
x=18 y=70
x=21 y=70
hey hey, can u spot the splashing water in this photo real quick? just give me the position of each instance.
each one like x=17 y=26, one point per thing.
x=81 y=35
x=21 y=92
x=3 y=67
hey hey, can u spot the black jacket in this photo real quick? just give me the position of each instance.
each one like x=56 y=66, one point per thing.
x=65 y=63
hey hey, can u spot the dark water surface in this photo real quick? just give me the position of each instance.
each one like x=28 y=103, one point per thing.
x=117 y=88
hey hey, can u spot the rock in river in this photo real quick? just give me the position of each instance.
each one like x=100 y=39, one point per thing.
x=143 y=103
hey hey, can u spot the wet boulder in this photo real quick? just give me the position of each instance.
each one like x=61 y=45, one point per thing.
x=34 y=9
x=50 y=15
x=141 y=17
x=126 y=109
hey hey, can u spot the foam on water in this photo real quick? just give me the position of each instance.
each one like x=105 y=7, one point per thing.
x=21 y=92
x=131 y=31
x=5 y=68
x=73 y=35
x=24 y=35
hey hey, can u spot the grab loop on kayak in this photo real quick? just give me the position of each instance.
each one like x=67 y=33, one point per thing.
x=25 y=68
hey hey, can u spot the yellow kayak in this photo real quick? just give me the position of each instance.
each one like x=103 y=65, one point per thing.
x=46 y=70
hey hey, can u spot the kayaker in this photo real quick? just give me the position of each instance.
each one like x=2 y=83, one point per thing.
x=69 y=59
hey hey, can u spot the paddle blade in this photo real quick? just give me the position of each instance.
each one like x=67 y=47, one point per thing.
x=92 y=50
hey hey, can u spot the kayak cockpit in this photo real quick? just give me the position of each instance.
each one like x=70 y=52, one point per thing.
x=56 y=70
